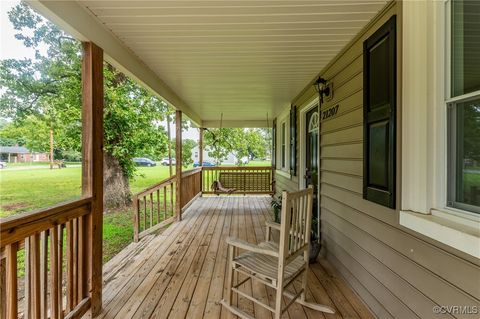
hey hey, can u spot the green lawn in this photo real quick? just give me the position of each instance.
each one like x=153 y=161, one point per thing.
x=24 y=190
x=27 y=189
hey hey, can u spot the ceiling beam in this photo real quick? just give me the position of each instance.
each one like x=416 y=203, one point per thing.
x=80 y=23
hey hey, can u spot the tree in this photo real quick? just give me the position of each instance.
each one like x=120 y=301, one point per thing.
x=471 y=128
x=251 y=143
x=187 y=150
x=48 y=88
x=31 y=132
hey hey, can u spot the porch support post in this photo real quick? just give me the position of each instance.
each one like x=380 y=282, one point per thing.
x=200 y=147
x=92 y=169
x=178 y=165
x=200 y=156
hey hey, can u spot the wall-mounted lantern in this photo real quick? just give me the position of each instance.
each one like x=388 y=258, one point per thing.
x=323 y=88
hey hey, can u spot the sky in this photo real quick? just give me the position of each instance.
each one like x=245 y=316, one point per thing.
x=11 y=48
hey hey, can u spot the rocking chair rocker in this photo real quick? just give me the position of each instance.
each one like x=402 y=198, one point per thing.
x=276 y=265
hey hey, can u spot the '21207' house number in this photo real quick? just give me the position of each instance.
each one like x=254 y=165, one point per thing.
x=330 y=112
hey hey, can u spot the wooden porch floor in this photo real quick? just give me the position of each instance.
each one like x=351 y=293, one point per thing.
x=180 y=273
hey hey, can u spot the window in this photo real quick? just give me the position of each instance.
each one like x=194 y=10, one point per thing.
x=438 y=102
x=284 y=149
x=464 y=107
x=379 y=100
x=293 y=140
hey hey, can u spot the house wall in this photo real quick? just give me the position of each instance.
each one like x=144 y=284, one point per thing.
x=397 y=272
x=283 y=179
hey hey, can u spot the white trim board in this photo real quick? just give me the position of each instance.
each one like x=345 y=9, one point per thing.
x=301 y=156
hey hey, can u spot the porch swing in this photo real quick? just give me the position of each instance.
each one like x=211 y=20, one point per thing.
x=217 y=186
x=228 y=180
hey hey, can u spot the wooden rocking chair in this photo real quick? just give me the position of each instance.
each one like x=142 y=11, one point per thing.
x=276 y=265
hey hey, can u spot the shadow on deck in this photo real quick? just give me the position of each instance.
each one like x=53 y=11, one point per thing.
x=180 y=273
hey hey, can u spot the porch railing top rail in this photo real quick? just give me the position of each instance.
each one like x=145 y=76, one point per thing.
x=18 y=227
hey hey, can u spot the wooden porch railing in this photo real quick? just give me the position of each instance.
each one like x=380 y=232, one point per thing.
x=154 y=207
x=53 y=245
x=244 y=179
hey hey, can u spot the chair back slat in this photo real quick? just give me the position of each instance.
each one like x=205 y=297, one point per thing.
x=296 y=221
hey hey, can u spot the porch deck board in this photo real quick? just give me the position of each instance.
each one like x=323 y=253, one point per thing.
x=181 y=272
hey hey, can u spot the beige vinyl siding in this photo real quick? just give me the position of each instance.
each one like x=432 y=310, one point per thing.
x=283 y=183
x=397 y=272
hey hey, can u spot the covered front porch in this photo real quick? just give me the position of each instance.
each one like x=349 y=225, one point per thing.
x=179 y=272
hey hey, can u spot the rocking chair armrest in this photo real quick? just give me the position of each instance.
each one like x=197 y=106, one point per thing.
x=251 y=247
x=273 y=225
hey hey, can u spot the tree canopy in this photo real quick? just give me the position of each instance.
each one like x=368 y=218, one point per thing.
x=45 y=93
x=251 y=143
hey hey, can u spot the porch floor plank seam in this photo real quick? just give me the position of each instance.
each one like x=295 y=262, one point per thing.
x=181 y=272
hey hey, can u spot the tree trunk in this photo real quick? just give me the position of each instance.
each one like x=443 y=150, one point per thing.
x=116 y=186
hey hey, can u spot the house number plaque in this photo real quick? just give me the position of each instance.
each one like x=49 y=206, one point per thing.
x=330 y=112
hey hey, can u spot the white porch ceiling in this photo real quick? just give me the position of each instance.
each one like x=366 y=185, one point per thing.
x=242 y=58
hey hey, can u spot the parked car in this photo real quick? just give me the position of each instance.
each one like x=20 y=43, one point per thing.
x=165 y=161
x=244 y=160
x=143 y=161
x=205 y=164
x=3 y=165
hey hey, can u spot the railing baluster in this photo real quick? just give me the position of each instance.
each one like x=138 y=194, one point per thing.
x=136 y=219
x=151 y=209
x=35 y=275
x=144 y=212
x=171 y=199
x=44 y=274
x=70 y=275
x=3 y=283
x=82 y=259
x=158 y=206
x=27 y=290
x=12 y=297
x=164 y=203
x=75 y=267
x=54 y=273
x=60 y=270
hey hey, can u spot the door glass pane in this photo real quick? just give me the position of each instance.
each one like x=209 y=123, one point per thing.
x=468 y=153
x=465 y=47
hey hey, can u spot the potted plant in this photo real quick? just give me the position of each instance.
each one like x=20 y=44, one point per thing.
x=276 y=205
x=315 y=245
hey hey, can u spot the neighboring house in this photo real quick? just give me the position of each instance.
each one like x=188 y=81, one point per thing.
x=230 y=160
x=20 y=154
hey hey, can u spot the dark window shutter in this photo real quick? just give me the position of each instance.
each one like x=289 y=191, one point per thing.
x=379 y=108
x=274 y=144
x=293 y=140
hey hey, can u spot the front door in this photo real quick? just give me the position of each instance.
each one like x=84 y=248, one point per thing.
x=311 y=155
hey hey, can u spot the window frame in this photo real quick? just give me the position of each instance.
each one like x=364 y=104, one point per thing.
x=451 y=116
x=424 y=132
